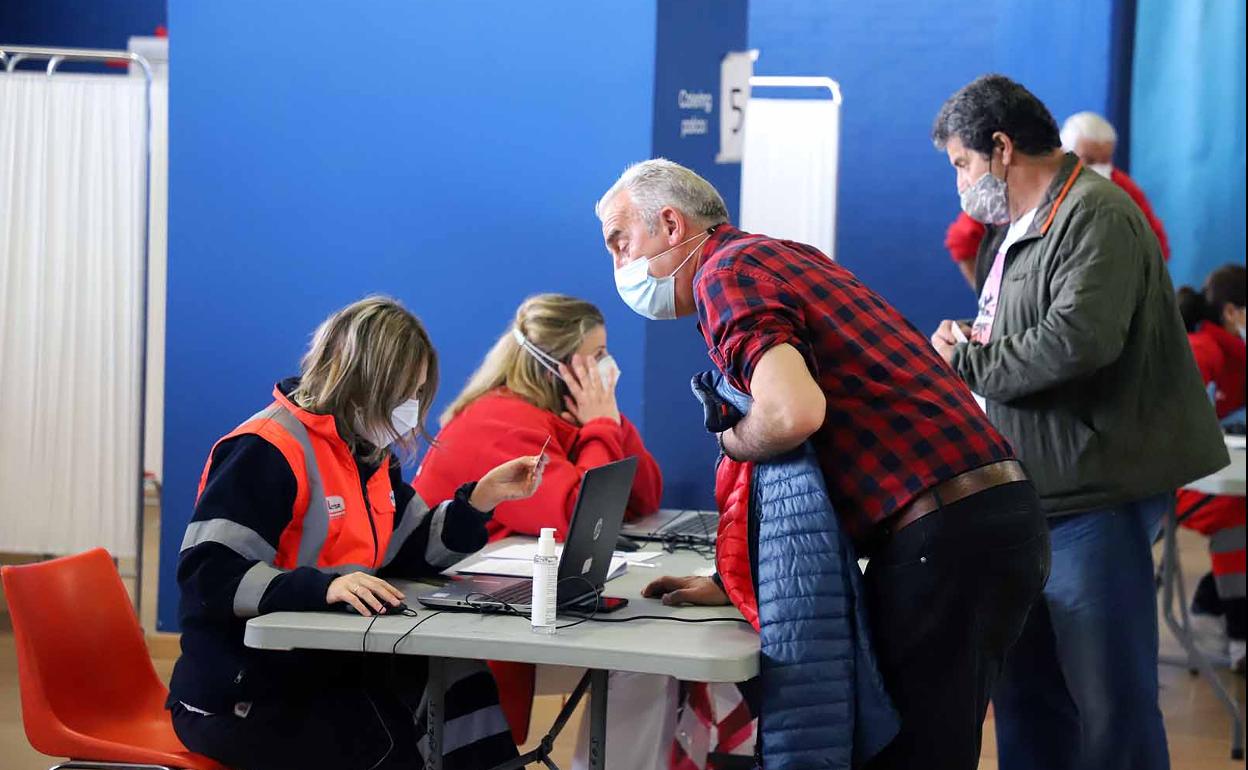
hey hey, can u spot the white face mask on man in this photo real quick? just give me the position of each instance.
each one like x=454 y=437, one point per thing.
x=404 y=419
x=650 y=296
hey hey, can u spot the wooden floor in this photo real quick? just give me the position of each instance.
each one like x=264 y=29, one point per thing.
x=1198 y=729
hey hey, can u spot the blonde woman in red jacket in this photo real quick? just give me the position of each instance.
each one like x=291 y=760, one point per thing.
x=550 y=376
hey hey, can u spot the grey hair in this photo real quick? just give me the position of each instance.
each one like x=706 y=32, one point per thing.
x=658 y=183
x=1086 y=125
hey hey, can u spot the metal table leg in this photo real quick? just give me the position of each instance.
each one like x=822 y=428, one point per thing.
x=598 y=720
x=542 y=752
x=1172 y=592
x=435 y=717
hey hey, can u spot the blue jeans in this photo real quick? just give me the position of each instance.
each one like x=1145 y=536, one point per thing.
x=1079 y=689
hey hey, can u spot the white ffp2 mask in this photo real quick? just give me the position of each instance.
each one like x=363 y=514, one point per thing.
x=606 y=365
x=404 y=418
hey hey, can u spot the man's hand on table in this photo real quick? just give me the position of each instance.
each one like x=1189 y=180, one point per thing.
x=686 y=590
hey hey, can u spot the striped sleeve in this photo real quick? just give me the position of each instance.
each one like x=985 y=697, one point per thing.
x=428 y=540
x=225 y=565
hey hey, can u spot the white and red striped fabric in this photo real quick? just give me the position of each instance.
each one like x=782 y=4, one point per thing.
x=713 y=718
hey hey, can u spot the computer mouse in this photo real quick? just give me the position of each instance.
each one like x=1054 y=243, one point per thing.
x=627 y=544
x=401 y=609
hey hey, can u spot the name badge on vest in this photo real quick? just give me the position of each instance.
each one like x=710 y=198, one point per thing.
x=392 y=498
x=336 y=506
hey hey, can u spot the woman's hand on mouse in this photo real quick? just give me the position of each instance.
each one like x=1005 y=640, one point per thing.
x=368 y=594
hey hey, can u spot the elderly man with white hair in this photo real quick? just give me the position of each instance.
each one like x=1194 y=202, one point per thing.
x=1093 y=139
x=915 y=472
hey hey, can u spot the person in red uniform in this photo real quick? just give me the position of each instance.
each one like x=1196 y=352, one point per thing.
x=1093 y=139
x=549 y=378
x=1215 y=324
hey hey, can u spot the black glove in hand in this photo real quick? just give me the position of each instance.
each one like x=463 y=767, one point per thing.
x=718 y=414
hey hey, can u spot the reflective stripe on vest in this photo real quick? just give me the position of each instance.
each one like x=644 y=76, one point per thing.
x=413 y=516
x=315 y=520
x=1226 y=549
x=304 y=540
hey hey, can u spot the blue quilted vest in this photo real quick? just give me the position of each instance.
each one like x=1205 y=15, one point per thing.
x=823 y=700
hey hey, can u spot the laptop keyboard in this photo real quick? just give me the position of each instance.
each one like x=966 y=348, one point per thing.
x=700 y=524
x=514 y=594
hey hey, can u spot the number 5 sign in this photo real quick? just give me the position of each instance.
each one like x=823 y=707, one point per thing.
x=734 y=95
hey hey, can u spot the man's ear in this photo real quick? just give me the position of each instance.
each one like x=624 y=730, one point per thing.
x=1001 y=141
x=672 y=225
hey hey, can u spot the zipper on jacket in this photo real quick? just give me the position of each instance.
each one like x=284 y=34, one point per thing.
x=372 y=524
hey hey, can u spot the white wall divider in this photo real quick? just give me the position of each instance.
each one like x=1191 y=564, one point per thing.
x=789 y=163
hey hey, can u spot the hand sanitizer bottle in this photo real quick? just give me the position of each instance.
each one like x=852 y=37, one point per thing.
x=545 y=577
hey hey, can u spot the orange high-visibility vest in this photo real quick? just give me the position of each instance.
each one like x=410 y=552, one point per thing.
x=333 y=523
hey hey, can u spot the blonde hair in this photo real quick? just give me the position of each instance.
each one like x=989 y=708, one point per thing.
x=555 y=323
x=365 y=360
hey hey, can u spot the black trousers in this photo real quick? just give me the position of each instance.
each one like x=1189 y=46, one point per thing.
x=948 y=596
x=374 y=723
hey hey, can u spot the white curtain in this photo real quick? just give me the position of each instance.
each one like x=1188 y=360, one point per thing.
x=71 y=247
x=788 y=170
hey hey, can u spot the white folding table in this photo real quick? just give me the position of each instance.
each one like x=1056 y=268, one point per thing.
x=1228 y=481
x=702 y=652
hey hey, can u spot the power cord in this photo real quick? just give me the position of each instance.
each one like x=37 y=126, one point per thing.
x=410 y=613
x=511 y=609
x=702 y=545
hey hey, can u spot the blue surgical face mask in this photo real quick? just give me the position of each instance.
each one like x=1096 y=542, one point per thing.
x=650 y=296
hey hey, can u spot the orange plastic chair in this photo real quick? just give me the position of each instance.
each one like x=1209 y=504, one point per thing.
x=89 y=691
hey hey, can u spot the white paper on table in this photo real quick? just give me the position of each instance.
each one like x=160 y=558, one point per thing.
x=526 y=552
x=520 y=568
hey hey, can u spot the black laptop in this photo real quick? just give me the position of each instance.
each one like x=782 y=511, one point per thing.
x=586 y=554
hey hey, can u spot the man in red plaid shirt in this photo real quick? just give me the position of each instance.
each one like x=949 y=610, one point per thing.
x=917 y=474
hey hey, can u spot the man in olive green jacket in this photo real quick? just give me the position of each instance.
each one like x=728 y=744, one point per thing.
x=1081 y=361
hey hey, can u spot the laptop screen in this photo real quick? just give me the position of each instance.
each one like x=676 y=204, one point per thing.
x=595 y=528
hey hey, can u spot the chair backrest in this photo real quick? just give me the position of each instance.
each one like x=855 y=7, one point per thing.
x=80 y=649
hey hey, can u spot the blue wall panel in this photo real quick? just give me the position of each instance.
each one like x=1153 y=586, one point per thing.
x=897 y=61
x=1188 y=139
x=448 y=154
x=79 y=23
x=674 y=349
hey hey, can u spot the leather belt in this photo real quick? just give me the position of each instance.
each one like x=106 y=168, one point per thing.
x=952 y=490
